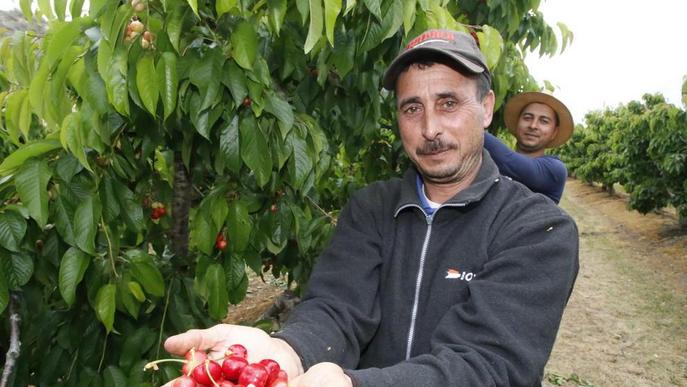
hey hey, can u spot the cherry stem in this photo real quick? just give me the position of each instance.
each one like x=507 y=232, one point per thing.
x=325 y=213
x=207 y=370
x=153 y=364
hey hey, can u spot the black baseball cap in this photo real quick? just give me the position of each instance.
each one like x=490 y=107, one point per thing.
x=458 y=46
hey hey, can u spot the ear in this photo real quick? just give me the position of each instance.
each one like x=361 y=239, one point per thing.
x=488 y=108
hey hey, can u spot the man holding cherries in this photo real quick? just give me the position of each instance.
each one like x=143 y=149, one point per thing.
x=450 y=275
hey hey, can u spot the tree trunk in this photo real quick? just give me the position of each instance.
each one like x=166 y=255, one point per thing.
x=609 y=189
x=181 y=204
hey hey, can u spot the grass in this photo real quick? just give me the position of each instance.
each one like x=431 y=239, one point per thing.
x=560 y=380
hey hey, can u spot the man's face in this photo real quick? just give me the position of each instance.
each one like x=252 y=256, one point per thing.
x=441 y=121
x=537 y=126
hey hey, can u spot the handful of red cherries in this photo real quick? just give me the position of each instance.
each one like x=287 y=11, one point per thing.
x=232 y=371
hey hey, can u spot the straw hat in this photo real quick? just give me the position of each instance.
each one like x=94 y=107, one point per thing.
x=516 y=104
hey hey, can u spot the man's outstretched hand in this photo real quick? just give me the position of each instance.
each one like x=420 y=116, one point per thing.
x=217 y=339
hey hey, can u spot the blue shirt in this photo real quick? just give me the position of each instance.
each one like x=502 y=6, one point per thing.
x=420 y=187
x=544 y=174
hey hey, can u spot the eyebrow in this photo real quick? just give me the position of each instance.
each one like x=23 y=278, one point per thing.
x=408 y=100
x=445 y=94
x=529 y=114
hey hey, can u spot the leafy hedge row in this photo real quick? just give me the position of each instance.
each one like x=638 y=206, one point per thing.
x=642 y=146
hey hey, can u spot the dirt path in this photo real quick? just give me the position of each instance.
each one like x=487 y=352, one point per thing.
x=626 y=321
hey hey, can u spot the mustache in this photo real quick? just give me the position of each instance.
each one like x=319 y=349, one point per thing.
x=434 y=146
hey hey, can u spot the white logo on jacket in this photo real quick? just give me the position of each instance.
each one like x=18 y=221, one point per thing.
x=456 y=274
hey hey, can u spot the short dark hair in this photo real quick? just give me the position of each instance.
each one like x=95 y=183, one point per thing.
x=428 y=60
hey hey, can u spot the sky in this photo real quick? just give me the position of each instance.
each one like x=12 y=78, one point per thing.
x=621 y=50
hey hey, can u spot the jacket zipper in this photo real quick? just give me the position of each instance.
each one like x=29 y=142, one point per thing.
x=418 y=283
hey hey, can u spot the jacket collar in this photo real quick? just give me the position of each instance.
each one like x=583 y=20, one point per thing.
x=487 y=176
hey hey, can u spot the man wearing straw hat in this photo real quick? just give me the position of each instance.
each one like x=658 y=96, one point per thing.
x=538 y=121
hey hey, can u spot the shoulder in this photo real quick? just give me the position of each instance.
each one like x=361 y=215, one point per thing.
x=552 y=161
x=379 y=194
x=529 y=220
x=516 y=201
x=558 y=173
x=380 y=187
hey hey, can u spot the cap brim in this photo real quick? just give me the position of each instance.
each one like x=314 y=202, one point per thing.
x=511 y=114
x=394 y=70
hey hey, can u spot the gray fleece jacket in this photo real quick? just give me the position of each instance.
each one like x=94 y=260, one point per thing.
x=470 y=296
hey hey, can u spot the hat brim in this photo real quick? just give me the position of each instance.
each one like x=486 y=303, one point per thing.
x=397 y=66
x=514 y=107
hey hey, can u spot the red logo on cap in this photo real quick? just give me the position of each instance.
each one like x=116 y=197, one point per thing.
x=436 y=34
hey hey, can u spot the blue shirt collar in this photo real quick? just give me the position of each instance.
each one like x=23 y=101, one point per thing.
x=419 y=183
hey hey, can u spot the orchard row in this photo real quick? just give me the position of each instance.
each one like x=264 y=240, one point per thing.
x=641 y=146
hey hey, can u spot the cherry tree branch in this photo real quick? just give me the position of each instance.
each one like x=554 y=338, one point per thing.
x=14 y=350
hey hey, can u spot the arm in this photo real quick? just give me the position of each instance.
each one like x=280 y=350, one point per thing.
x=545 y=175
x=340 y=311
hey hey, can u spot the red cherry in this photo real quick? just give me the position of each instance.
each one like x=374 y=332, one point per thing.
x=232 y=367
x=274 y=208
x=279 y=382
x=158 y=211
x=220 y=242
x=226 y=383
x=282 y=375
x=193 y=358
x=272 y=369
x=247 y=102
x=207 y=370
x=282 y=380
x=237 y=350
x=255 y=374
x=184 y=381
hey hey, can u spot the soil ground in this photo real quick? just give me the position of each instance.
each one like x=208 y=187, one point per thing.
x=626 y=321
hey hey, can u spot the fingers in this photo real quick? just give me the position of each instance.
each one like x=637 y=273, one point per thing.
x=182 y=343
x=200 y=339
x=323 y=375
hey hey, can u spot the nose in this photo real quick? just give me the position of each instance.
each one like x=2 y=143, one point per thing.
x=431 y=128
x=533 y=124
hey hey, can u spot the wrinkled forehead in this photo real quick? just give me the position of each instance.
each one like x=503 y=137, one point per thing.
x=435 y=76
